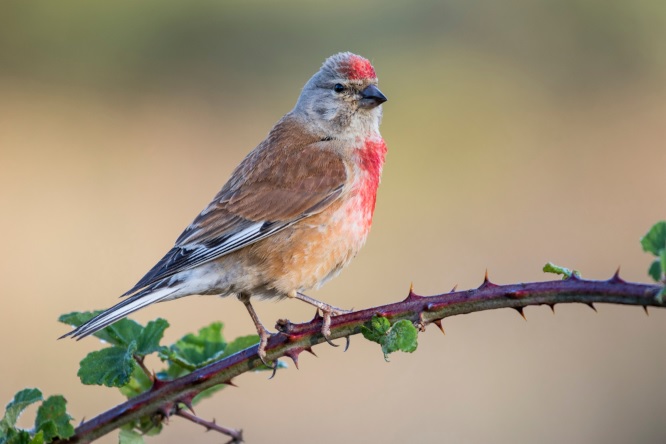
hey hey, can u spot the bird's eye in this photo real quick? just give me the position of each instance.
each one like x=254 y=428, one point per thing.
x=338 y=87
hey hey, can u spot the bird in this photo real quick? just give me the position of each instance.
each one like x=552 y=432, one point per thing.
x=294 y=212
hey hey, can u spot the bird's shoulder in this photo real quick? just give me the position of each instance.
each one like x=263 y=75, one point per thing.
x=291 y=173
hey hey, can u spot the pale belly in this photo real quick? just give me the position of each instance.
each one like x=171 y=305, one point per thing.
x=307 y=254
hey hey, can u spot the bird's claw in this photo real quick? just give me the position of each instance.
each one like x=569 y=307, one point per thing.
x=264 y=336
x=326 y=326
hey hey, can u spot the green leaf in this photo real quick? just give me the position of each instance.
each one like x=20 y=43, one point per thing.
x=376 y=329
x=48 y=429
x=238 y=344
x=661 y=295
x=149 y=339
x=14 y=436
x=655 y=270
x=120 y=333
x=403 y=336
x=129 y=437
x=194 y=351
x=139 y=382
x=38 y=438
x=16 y=406
x=54 y=410
x=110 y=366
x=556 y=269
x=655 y=239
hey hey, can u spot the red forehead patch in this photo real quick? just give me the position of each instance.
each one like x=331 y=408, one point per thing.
x=360 y=68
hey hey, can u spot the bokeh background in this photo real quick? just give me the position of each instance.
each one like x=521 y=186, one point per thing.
x=519 y=132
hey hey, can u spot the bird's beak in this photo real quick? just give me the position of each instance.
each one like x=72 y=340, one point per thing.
x=372 y=97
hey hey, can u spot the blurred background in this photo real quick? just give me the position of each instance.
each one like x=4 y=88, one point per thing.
x=519 y=132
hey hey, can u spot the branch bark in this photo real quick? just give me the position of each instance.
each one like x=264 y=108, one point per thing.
x=165 y=397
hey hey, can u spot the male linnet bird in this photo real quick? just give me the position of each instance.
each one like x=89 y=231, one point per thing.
x=294 y=212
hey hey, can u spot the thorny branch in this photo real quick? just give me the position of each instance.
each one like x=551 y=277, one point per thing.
x=236 y=435
x=166 y=397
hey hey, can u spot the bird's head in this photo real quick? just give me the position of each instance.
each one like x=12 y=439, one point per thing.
x=342 y=100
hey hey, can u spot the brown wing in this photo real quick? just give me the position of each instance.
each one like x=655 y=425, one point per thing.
x=288 y=177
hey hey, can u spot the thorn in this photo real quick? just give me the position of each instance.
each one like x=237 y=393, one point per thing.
x=574 y=276
x=520 y=311
x=486 y=282
x=348 y=341
x=163 y=412
x=275 y=367
x=230 y=382
x=647 y=313
x=453 y=290
x=209 y=428
x=412 y=296
x=187 y=402
x=158 y=383
x=591 y=305
x=616 y=279
x=438 y=323
x=309 y=350
x=552 y=307
x=293 y=354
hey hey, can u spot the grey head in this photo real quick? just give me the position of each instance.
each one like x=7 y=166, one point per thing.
x=341 y=100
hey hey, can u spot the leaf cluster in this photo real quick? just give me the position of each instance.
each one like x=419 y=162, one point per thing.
x=121 y=364
x=401 y=336
x=654 y=242
x=52 y=419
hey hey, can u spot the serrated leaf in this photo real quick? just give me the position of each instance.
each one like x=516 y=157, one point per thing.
x=655 y=239
x=149 y=339
x=403 y=336
x=120 y=333
x=112 y=366
x=14 y=436
x=194 y=351
x=54 y=410
x=16 y=406
x=655 y=270
x=376 y=329
x=129 y=437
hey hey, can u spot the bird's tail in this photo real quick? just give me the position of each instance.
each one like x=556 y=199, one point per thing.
x=133 y=303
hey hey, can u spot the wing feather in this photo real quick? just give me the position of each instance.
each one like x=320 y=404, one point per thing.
x=288 y=177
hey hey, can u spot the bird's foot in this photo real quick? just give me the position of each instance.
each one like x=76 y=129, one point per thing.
x=264 y=334
x=328 y=311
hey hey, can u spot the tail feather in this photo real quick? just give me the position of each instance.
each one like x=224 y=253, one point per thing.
x=119 y=311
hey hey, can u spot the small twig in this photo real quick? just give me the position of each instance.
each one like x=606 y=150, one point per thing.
x=142 y=365
x=236 y=435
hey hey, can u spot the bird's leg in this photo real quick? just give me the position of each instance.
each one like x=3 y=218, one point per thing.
x=327 y=310
x=261 y=330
